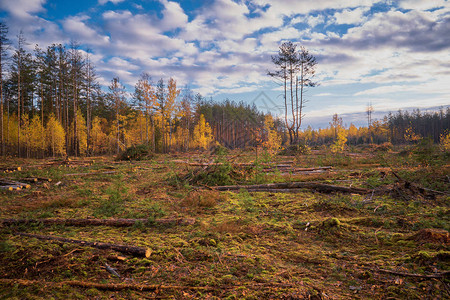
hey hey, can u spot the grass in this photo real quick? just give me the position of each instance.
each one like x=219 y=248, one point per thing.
x=243 y=245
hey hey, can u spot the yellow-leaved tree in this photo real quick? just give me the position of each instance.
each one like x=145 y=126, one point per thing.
x=55 y=136
x=341 y=139
x=203 y=133
x=99 y=137
x=273 y=140
x=36 y=139
x=170 y=108
x=445 y=141
x=411 y=136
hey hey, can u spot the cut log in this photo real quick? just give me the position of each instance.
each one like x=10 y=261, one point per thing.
x=10 y=169
x=99 y=222
x=8 y=182
x=102 y=286
x=284 y=186
x=126 y=249
x=8 y=188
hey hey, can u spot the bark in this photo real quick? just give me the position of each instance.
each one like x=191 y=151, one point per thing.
x=7 y=182
x=102 y=286
x=126 y=249
x=437 y=275
x=291 y=186
x=99 y=222
x=90 y=173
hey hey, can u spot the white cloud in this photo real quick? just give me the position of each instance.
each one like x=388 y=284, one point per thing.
x=351 y=16
x=423 y=5
x=22 y=8
x=174 y=16
x=78 y=30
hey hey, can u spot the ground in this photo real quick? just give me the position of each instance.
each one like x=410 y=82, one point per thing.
x=385 y=244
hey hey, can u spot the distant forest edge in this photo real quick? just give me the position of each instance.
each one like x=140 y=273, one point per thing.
x=52 y=105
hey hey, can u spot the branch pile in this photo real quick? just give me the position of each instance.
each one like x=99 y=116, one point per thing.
x=12 y=185
x=24 y=183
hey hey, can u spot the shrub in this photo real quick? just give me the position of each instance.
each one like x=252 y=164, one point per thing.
x=299 y=149
x=137 y=152
x=385 y=147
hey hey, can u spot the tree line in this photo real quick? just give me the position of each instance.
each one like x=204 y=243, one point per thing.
x=402 y=127
x=51 y=104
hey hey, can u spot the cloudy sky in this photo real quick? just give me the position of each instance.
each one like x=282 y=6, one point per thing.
x=393 y=54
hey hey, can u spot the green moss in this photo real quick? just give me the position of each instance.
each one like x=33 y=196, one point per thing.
x=331 y=223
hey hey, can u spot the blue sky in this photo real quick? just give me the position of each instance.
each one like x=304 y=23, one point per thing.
x=393 y=54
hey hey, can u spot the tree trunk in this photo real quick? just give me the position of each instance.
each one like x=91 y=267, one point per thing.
x=126 y=249
x=272 y=187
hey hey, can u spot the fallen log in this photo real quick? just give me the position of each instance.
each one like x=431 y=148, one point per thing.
x=285 y=186
x=10 y=169
x=90 y=173
x=98 y=222
x=410 y=185
x=437 y=275
x=294 y=170
x=7 y=182
x=102 y=286
x=126 y=249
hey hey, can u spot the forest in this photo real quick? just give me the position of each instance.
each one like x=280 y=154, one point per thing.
x=53 y=105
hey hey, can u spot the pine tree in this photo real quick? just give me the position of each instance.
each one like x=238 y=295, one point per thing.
x=4 y=47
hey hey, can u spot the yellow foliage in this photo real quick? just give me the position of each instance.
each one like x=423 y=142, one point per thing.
x=99 y=139
x=445 y=141
x=55 y=136
x=202 y=133
x=273 y=141
x=36 y=139
x=411 y=136
x=11 y=130
x=341 y=139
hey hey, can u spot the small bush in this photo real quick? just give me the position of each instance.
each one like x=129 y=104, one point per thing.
x=293 y=150
x=204 y=199
x=385 y=147
x=220 y=150
x=137 y=152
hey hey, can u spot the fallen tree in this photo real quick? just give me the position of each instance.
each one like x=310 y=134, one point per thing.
x=293 y=187
x=101 y=286
x=99 y=222
x=126 y=249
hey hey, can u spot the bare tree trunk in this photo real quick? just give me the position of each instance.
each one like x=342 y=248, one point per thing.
x=18 y=109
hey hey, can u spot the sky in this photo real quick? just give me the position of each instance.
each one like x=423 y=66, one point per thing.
x=392 y=54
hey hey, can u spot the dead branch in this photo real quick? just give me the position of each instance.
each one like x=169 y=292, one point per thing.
x=411 y=185
x=102 y=286
x=126 y=249
x=90 y=173
x=99 y=222
x=437 y=275
x=291 y=186
x=112 y=271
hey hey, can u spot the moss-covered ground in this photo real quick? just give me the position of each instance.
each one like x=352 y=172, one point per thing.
x=243 y=245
